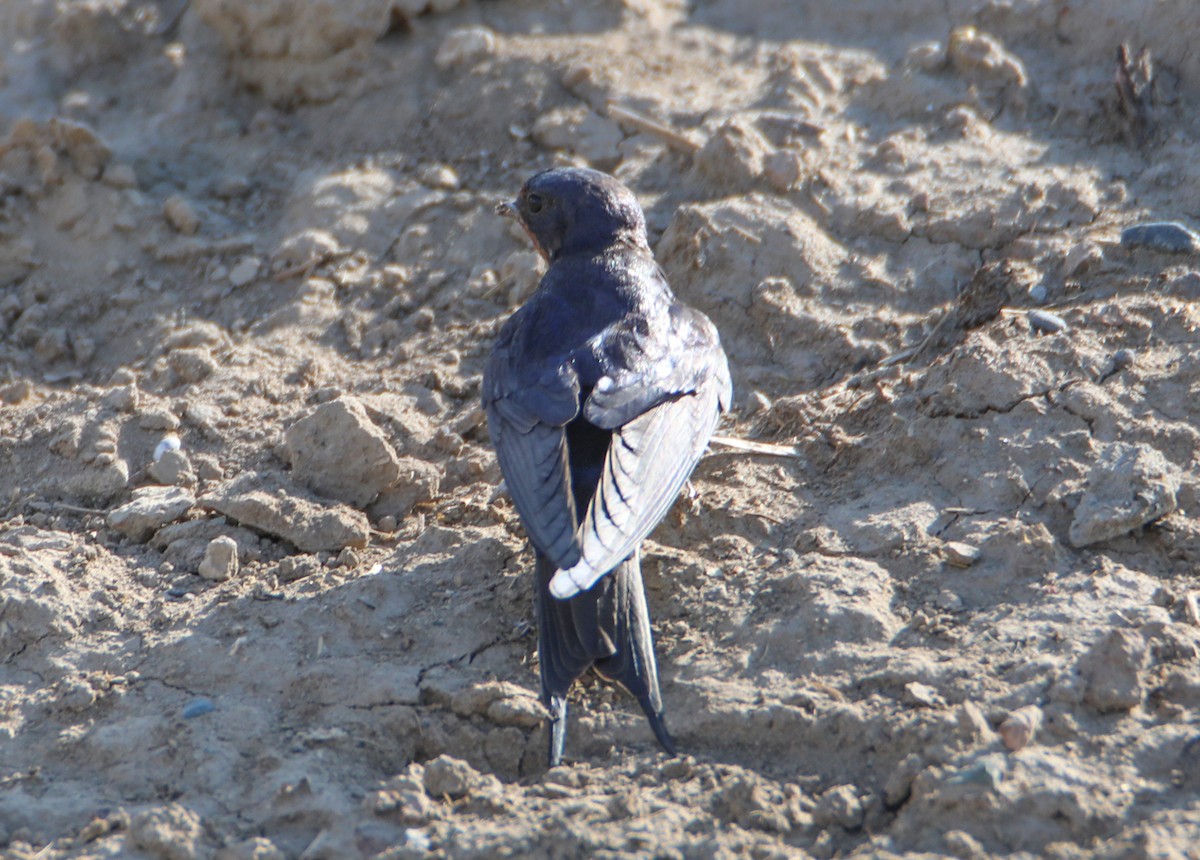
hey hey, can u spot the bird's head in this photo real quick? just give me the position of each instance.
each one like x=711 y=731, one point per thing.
x=570 y=210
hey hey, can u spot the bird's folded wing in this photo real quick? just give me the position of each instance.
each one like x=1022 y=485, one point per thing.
x=526 y=420
x=534 y=463
x=647 y=464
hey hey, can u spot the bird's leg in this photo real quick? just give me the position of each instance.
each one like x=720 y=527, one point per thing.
x=558 y=729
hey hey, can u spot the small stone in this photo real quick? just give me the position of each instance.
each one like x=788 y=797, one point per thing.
x=122 y=399
x=1046 y=322
x=958 y=554
x=922 y=695
x=268 y=504
x=220 y=560
x=338 y=451
x=119 y=175
x=1168 y=237
x=419 y=482
x=840 y=806
x=1111 y=671
x=987 y=771
x=173 y=468
x=449 y=777
x=387 y=523
x=77 y=695
x=231 y=186
x=1038 y=292
x=244 y=271
x=1079 y=259
x=197 y=708
x=347 y=559
x=150 y=509
x=1019 y=728
x=297 y=567
x=192 y=365
x=1191 y=608
x=782 y=170
x=158 y=419
x=440 y=176
x=734 y=156
x=465 y=45
x=181 y=215
x=1129 y=486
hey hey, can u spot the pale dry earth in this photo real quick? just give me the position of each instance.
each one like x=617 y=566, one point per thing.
x=262 y=596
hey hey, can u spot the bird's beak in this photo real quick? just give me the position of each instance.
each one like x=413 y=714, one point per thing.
x=508 y=209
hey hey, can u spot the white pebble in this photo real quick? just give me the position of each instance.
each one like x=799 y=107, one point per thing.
x=465 y=45
x=181 y=215
x=244 y=271
x=220 y=559
x=170 y=442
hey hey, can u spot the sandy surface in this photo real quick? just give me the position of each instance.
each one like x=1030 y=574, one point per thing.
x=260 y=596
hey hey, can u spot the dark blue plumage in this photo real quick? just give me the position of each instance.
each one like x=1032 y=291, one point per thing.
x=601 y=393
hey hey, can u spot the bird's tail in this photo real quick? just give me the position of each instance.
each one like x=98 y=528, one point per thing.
x=607 y=626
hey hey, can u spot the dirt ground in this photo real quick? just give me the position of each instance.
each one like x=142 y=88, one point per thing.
x=262 y=595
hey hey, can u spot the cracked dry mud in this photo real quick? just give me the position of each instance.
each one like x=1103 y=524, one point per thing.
x=248 y=259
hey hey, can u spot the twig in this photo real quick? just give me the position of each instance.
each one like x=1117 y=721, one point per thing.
x=768 y=449
x=676 y=140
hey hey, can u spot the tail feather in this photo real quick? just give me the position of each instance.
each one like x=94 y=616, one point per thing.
x=607 y=626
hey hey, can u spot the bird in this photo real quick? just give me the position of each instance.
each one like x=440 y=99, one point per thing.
x=601 y=394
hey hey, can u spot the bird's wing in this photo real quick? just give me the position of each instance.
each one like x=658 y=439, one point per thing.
x=678 y=397
x=648 y=461
x=526 y=419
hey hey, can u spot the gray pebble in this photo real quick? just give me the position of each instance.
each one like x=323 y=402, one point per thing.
x=1044 y=321
x=1170 y=237
x=198 y=708
x=220 y=559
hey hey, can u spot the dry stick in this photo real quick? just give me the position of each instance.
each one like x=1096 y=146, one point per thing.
x=767 y=448
x=676 y=140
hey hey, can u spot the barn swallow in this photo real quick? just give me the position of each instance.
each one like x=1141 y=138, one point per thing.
x=601 y=394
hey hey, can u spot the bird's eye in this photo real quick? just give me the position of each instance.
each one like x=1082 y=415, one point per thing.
x=535 y=202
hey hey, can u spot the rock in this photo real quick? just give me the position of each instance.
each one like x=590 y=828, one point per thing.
x=192 y=365
x=840 y=806
x=958 y=554
x=220 y=560
x=150 y=508
x=1111 y=671
x=1168 y=237
x=578 y=129
x=173 y=468
x=119 y=176
x=1129 y=486
x=1081 y=258
x=297 y=567
x=419 y=482
x=244 y=271
x=981 y=58
x=171 y=832
x=734 y=157
x=123 y=398
x=338 y=451
x=465 y=45
x=449 y=777
x=181 y=215
x=1020 y=727
x=1046 y=322
x=266 y=503
x=98 y=482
